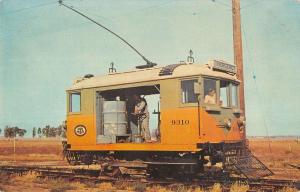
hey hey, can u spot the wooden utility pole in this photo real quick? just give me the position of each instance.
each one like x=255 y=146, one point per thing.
x=238 y=50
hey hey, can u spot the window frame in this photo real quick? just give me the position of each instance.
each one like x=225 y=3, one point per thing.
x=203 y=91
x=237 y=106
x=229 y=94
x=182 y=104
x=70 y=102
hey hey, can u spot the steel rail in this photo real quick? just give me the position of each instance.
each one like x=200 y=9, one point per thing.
x=93 y=175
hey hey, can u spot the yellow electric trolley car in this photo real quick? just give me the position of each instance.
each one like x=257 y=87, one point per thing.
x=187 y=128
x=196 y=116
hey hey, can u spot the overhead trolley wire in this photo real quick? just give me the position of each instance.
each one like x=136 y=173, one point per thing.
x=149 y=63
x=252 y=4
x=84 y=23
x=141 y=9
x=221 y=3
x=27 y=8
x=243 y=7
x=30 y=7
x=256 y=87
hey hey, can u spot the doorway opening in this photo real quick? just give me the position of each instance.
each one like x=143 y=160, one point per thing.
x=128 y=115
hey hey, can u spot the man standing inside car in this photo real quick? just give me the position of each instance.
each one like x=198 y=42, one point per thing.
x=141 y=110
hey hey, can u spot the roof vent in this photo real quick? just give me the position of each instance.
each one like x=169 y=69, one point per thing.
x=168 y=70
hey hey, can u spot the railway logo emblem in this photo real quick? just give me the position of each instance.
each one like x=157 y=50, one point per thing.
x=80 y=130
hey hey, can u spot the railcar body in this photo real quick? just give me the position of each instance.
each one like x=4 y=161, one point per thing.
x=188 y=129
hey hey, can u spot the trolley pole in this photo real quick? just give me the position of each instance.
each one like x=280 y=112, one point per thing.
x=238 y=51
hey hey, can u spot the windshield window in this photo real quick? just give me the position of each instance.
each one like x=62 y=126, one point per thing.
x=234 y=95
x=220 y=92
x=210 y=91
x=187 y=91
x=224 y=93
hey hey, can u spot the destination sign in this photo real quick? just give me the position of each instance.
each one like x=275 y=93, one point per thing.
x=222 y=66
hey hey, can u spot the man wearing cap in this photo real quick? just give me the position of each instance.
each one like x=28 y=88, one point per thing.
x=141 y=109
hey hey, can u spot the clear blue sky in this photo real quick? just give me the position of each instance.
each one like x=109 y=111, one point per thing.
x=44 y=46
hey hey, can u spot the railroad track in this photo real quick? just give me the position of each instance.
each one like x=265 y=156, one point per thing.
x=97 y=176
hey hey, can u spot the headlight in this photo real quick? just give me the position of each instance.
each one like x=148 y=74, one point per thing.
x=227 y=123
x=241 y=123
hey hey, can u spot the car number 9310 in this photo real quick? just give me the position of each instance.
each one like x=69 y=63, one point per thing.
x=180 y=122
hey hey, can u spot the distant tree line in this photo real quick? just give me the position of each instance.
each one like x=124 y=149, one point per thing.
x=10 y=132
x=48 y=131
